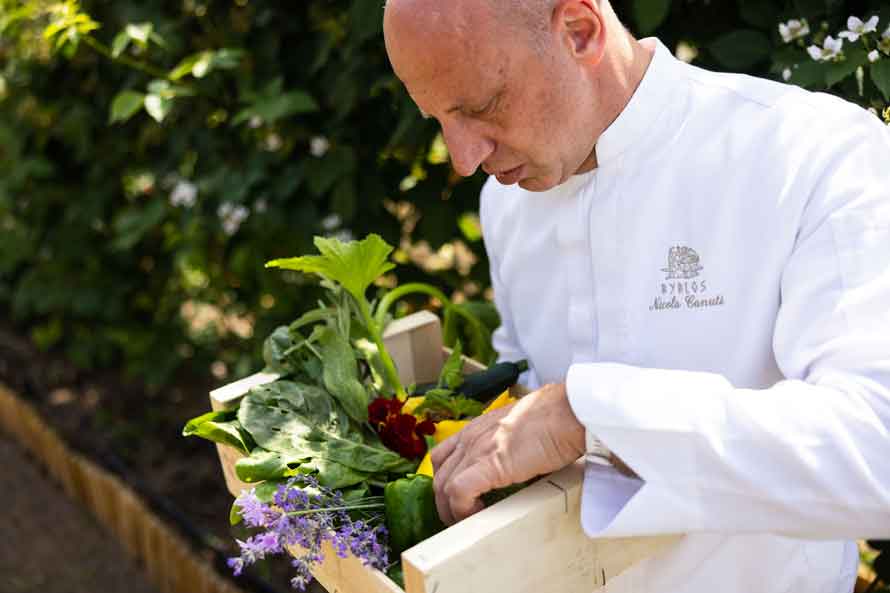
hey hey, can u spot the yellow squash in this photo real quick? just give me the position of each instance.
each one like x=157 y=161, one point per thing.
x=447 y=428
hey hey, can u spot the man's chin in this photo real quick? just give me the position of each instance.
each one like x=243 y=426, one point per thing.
x=537 y=184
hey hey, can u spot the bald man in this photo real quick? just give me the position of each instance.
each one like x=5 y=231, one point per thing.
x=696 y=266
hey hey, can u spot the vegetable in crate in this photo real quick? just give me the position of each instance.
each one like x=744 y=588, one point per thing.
x=411 y=514
x=335 y=441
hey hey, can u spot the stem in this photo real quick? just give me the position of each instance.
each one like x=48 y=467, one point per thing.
x=126 y=61
x=354 y=507
x=392 y=296
x=389 y=366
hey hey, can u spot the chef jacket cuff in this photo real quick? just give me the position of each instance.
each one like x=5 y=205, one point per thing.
x=613 y=504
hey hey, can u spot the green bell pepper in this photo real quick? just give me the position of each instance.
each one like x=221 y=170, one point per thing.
x=411 y=514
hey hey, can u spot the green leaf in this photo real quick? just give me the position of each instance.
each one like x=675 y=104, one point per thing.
x=650 y=14
x=274 y=106
x=302 y=422
x=219 y=427
x=340 y=374
x=120 y=44
x=838 y=71
x=451 y=375
x=125 y=105
x=185 y=66
x=131 y=224
x=260 y=466
x=445 y=403
x=742 y=49
x=353 y=264
x=810 y=75
x=880 y=75
x=235 y=513
x=158 y=107
x=334 y=475
x=139 y=33
x=274 y=348
x=371 y=354
x=202 y=63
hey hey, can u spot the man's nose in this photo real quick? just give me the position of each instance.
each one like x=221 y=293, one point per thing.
x=467 y=146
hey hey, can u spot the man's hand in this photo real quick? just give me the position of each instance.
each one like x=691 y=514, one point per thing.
x=536 y=435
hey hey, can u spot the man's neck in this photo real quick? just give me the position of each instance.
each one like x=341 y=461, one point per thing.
x=628 y=60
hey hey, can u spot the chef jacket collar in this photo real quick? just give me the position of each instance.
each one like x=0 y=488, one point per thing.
x=637 y=119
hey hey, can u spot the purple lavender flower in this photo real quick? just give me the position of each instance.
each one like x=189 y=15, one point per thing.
x=251 y=509
x=303 y=513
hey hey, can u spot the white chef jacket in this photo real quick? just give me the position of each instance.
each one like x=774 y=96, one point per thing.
x=716 y=296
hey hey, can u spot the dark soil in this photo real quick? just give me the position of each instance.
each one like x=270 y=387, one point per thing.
x=49 y=544
x=137 y=435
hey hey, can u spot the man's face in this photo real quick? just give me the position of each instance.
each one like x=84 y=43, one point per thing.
x=517 y=111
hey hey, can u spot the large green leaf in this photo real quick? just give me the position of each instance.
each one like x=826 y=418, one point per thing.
x=742 y=49
x=880 y=75
x=353 y=264
x=649 y=14
x=340 y=374
x=303 y=422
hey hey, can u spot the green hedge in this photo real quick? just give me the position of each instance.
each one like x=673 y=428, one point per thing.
x=153 y=155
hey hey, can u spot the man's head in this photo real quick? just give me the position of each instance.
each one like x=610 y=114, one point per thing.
x=522 y=88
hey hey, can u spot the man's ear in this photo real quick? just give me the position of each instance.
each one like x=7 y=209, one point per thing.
x=579 y=24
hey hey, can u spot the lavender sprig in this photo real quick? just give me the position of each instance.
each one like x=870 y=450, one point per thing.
x=306 y=514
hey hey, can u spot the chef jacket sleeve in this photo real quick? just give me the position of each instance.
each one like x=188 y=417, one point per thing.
x=808 y=457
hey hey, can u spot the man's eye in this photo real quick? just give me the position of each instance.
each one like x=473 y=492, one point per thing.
x=487 y=108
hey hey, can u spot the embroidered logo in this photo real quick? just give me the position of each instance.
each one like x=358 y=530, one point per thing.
x=683 y=288
x=682 y=263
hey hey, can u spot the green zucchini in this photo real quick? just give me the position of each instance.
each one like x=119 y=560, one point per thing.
x=487 y=384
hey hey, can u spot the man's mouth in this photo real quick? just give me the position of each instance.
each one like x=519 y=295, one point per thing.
x=510 y=176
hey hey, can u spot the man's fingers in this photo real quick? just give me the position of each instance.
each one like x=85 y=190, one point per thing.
x=441 y=476
x=465 y=488
x=442 y=451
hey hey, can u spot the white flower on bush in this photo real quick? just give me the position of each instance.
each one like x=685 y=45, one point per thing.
x=319 y=146
x=884 y=43
x=786 y=74
x=232 y=216
x=856 y=28
x=873 y=56
x=183 y=194
x=794 y=29
x=830 y=49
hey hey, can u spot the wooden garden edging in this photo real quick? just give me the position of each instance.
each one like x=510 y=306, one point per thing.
x=166 y=557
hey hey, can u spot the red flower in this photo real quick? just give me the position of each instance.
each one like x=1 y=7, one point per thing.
x=378 y=410
x=400 y=432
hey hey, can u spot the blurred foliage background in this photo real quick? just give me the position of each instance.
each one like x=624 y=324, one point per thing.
x=154 y=154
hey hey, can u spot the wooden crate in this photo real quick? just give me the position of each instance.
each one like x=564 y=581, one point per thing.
x=531 y=542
